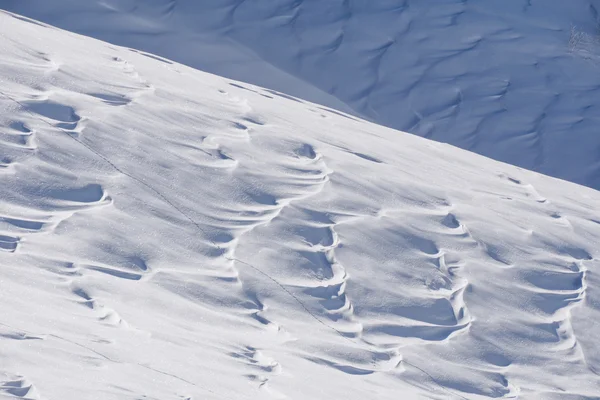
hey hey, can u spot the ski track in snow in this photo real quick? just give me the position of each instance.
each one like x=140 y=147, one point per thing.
x=166 y=233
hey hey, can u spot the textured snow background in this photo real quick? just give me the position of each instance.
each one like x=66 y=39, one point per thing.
x=170 y=234
x=502 y=78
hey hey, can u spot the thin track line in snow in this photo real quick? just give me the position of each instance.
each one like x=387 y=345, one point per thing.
x=138 y=364
x=215 y=244
x=179 y=210
x=107 y=358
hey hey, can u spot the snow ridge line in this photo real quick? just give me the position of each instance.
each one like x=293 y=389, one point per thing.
x=216 y=245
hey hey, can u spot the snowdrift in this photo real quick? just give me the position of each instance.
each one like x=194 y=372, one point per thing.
x=170 y=234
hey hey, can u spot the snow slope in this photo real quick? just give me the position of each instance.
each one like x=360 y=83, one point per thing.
x=503 y=78
x=170 y=234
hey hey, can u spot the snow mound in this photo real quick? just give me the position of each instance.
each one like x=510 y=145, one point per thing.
x=514 y=80
x=170 y=234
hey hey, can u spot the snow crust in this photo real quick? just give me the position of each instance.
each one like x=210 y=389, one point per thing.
x=514 y=80
x=170 y=234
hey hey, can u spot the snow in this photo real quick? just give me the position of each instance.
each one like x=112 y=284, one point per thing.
x=514 y=80
x=170 y=234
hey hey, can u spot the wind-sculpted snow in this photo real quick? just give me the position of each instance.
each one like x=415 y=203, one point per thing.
x=170 y=234
x=515 y=80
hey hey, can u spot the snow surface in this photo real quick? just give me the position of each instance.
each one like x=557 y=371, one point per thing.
x=170 y=234
x=503 y=78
